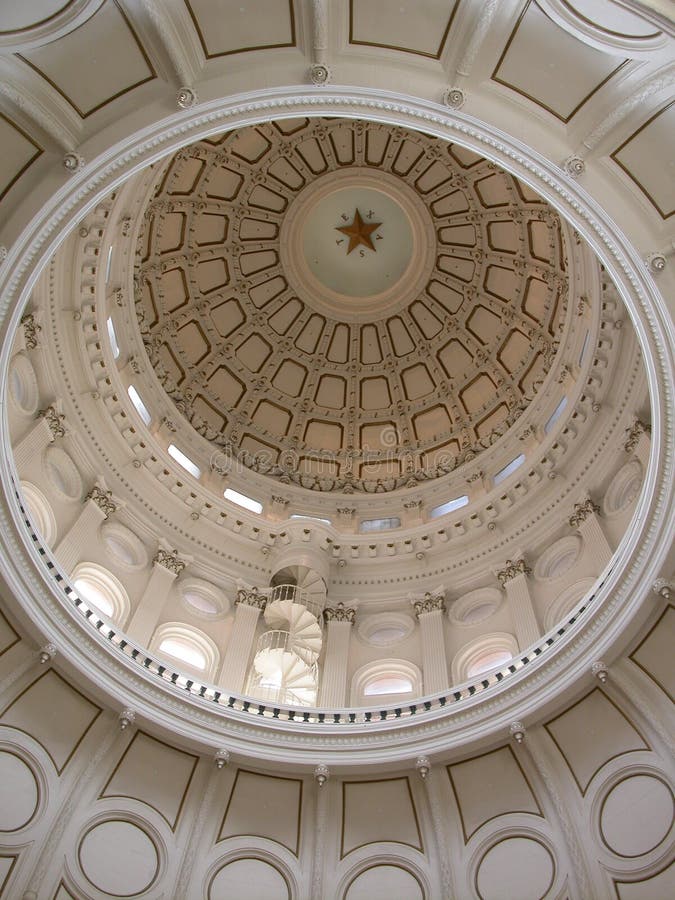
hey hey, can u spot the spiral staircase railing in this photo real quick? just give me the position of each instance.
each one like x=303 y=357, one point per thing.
x=285 y=660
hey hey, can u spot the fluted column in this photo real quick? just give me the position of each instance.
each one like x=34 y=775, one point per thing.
x=249 y=604
x=333 y=689
x=46 y=429
x=638 y=442
x=585 y=519
x=429 y=612
x=98 y=506
x=513 y=578
x=167 y=565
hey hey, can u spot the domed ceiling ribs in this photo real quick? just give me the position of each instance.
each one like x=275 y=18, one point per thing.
x=343 y=401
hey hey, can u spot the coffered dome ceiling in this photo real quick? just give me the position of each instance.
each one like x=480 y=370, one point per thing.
x=345 y=304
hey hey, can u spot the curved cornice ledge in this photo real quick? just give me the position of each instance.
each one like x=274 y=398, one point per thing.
x=618 y=602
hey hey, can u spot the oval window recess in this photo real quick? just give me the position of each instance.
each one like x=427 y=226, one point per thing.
x=202 y=598
x=449 y=507
x=475 y=606
x=184 y=461
x=124 y=545
x=23 y=387
x=200 y=603
x=242 y=500
x=63 y=473
x=385 y=629
x=386 y=635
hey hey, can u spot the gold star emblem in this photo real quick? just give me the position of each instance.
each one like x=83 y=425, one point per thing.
x=359 y=232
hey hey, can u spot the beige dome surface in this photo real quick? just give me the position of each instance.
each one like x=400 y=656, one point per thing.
x=338 y=366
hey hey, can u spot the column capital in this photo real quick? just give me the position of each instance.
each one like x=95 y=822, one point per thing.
x=633 y=435
x=251 y=597
x=429 y=603
x=170 y=560
x=31 y=329
x=582 y=511
x=103 y=499
x=54 y=420
x=340 y=613
x=512 y=569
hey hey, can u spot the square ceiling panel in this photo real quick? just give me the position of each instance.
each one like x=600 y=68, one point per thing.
x=235 y=26
x=386 y=23
x=544 y=63
x=97 y=48
x=647 y=157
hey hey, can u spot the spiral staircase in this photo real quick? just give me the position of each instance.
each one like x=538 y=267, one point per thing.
x=285 y=668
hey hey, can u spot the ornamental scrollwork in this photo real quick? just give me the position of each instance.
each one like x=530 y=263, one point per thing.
x=582 y=511
x=429 y=603
x=340 y=613
x=103 y=499
x=170 y=560
x=513 y=570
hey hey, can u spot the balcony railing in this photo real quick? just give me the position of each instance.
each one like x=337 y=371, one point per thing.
x=176 y=681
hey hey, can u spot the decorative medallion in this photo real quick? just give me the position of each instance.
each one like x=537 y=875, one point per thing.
x=359 y=232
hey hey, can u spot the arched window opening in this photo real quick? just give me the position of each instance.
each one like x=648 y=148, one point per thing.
x=388 y=684
x=190 y=648
x=492 y=659
x=484 y=654
x=101 y=591
x=386 y=681
x=184 y=652
x=40 y=512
